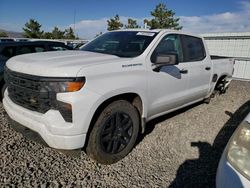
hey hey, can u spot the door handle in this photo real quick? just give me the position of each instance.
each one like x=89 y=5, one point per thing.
x=183 y=71
x=207 y=68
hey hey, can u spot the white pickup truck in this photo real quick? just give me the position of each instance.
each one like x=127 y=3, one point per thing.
x=102 y=96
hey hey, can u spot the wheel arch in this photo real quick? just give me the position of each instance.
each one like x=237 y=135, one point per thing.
x=220 y=78
x=134 y=98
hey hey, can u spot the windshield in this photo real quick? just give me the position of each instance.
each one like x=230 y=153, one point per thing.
x=121 y=43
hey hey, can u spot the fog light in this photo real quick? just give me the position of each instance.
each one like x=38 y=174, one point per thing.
x=66 y=110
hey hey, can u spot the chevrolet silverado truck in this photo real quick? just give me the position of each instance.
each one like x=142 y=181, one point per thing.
x=101 y=97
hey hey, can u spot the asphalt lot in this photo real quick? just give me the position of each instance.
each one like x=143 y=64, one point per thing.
x=181 y=149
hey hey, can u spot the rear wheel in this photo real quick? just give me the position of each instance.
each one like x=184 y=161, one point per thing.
x=114 y=133
x=221 y=86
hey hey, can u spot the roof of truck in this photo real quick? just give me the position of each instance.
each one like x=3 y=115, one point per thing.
x=158 y=31
x=146 y=30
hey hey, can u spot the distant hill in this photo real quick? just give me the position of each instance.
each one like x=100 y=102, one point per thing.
x=13 y=34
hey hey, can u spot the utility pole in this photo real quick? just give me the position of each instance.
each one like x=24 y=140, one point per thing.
x=75 y=21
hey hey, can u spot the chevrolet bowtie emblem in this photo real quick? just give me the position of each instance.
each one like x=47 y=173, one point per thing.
x=33 y=101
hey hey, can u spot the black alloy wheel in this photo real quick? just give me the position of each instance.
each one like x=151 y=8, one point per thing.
x=116 y=133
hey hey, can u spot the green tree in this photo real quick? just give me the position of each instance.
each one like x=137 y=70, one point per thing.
x=47 y=35
x=69 y=34
x=32 y=29
x=132 y=24
x=114 y=23
x=3 y=34
x=163 y=18
x=57 y=33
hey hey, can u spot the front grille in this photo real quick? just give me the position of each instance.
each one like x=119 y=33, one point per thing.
x=28 y=91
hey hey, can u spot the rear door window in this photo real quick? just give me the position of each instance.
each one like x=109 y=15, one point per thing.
x=8 y=52
x=25 y=49
x=193 y=48
x=30 y=49
x=39 y=48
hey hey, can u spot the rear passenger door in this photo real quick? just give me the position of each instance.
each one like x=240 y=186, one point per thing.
x=200 y=67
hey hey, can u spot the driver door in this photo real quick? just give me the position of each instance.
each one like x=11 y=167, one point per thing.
x=167 y=87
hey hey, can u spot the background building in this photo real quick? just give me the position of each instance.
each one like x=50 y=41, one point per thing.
x=235 y=45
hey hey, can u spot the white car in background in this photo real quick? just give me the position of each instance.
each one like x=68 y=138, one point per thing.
x=234 y=166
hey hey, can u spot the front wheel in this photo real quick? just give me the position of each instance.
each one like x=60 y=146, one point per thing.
x=114 y=133
x=3 y=87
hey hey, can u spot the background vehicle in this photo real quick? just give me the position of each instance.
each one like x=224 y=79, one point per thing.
x=104 y=95
x=10 y=49
x=77 y=45
x=22 y=39
x=6 y=40
x=234 y=167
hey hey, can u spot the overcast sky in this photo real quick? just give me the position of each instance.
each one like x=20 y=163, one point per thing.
x=91 y=15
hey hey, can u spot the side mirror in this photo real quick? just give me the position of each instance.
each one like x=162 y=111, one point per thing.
x=163 y=60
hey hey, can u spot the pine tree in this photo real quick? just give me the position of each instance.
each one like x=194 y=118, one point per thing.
x=114 y=23
x=32 y=29
x=69 y=33
x=57 y=33
x=163 y=18
x=132 y=24
x=47 y=35
x=3 y=34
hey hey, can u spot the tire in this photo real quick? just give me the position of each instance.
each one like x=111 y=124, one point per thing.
x=2 y=87
x=114 y=133
x=221 y=86
x=207 y=100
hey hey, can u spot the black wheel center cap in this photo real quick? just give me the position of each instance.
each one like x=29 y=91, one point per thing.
x=118 y=132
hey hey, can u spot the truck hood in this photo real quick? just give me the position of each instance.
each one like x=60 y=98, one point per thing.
x=59 y=63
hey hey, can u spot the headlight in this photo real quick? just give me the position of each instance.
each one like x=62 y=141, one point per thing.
x=238 y=149
x=60 y=86
x=66 y=86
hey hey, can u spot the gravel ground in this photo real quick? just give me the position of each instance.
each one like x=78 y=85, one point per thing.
x=181 y=149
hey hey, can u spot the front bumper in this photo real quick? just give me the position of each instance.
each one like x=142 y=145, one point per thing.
x=228 y=177
x=36 y=122
x=51 y=126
